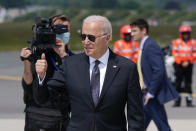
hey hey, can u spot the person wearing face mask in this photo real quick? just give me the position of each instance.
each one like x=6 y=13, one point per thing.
x=126 y=46
x=183 y=51
x=65 y=37
x=58 y=104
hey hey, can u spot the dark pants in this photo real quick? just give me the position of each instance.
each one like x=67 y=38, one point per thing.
x=36 y=129
x=30 y=127
x=183 y=74
x=156 y=112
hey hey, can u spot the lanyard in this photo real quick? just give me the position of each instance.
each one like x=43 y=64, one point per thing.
x=54 y=64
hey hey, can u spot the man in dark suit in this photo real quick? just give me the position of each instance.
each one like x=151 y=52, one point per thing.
x=99 y=83
x=155 y=85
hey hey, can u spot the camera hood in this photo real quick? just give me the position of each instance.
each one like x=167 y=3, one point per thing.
x=60 y=28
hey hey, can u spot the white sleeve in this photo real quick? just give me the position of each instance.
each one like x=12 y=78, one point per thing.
x=41 y=81
x=150 y=95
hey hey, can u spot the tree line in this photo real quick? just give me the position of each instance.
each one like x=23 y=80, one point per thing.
x=101 y=4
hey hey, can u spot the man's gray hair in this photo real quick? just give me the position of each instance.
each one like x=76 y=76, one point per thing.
x=107 y=27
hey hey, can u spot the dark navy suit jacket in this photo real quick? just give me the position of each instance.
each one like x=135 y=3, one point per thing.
x=154 y=72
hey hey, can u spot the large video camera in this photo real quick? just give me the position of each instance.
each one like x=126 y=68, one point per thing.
x=44 y=35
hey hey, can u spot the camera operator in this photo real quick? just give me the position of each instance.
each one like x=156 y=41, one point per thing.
x=52 y=58
x=60 y=19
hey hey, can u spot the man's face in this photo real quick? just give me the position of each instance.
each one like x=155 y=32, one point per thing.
x=97 y=47
x=59 y=21
x=127 y=37
x=186 y=36
x=137 y=33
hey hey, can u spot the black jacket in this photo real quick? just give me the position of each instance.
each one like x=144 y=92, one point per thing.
x=55 y=100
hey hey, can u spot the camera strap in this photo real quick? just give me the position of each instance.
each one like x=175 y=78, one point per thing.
x=54 y=64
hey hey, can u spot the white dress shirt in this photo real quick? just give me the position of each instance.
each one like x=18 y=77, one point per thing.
x=102 y=67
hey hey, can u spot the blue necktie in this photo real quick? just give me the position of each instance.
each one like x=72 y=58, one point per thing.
x=95 y=82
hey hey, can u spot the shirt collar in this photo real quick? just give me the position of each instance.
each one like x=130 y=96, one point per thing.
x=143 y=41
x=103 y=59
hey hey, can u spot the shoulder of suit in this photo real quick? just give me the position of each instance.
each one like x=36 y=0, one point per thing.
x=152 y=45
x=151 y=42
x=73 y=58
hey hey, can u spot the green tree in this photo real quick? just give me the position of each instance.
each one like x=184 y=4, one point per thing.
x=130 y=4
x=172 y=5
x=13 y=3
x=104 y=4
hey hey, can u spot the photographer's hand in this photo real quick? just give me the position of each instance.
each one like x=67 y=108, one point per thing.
x=185 y=64
x=25 y=52
x=41 y=66
x=27 y=75
x=60 y=48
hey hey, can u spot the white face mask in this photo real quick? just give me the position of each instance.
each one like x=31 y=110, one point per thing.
x=64 y=37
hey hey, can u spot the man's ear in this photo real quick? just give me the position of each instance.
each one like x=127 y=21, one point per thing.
x=144 y=31
x=108 y=37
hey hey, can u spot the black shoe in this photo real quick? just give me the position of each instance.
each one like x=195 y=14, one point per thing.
x=177 y=102
x=189 y=103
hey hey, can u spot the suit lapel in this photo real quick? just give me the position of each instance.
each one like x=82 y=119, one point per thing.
x=145 y=44
x=85 y=79
x=112 y=69
x=143 y=50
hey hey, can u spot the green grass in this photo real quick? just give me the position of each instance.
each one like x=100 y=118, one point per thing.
x=14 y=35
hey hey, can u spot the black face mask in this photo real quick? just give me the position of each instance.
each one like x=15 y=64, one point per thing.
x=127 y=37
x=186 y=36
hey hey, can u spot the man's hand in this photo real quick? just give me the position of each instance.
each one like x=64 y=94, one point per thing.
x=28 y=77
x=25 y=52
x=60 y=48
x=185 y=64
x=41 y=66
x=147 y=98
